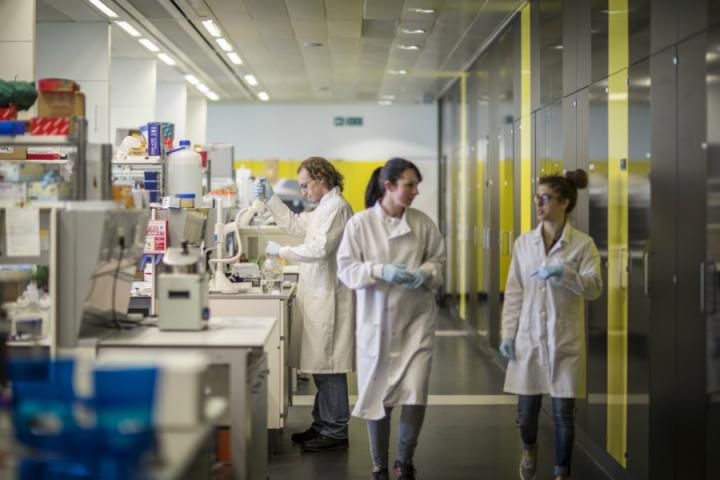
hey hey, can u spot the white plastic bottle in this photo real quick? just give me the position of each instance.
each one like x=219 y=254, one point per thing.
x=185 y=172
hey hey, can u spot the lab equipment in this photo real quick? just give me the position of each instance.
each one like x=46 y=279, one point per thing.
x=219 y=281
x=30 y=314
x=184 y=170
x=263 y=189
x=96 y=267
x=183 y=291
x=272 y=275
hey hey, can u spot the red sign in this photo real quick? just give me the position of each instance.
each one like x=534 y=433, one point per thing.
x=156 y=236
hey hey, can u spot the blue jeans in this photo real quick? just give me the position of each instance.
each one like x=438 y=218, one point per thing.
x=564 y=417
x=411 y=420
x=331 y=411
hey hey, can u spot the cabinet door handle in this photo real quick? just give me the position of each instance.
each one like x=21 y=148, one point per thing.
x=646 y=273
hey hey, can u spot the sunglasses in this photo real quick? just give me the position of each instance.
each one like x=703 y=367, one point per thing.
x=544 y=198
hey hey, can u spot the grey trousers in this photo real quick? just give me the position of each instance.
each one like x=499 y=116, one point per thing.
x=331 y=411
x=411 y=420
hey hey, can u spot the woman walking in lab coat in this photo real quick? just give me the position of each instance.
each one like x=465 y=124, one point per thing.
x=554 y=269
x=392 y=256
x=325 y=340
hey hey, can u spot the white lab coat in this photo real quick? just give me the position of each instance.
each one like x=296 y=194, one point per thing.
x=395 y=326
x=323 y=343
x=547 y=317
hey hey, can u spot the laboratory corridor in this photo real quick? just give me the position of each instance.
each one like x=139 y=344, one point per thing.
x=469 y=430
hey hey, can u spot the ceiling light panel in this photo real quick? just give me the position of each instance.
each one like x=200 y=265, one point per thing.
x=212 y=96
x=224 y=44
x=413 y=31
x=103 y=8
x=212 y=28
x=149 y=45
x=263 y=96
x=167 y=59
x=192 y=79
x=128 y=28
x=235 y=58
x=251 y=80
x=203 y=88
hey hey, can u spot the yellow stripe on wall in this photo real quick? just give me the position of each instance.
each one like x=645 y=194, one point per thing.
x=356 y=174
x=617 y=352
x=464 y=219
x=526 y=207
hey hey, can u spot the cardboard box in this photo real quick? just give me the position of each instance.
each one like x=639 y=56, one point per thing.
x=13 y=153
x=61 y=104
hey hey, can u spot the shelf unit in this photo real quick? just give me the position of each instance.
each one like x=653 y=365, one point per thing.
x=77 y=141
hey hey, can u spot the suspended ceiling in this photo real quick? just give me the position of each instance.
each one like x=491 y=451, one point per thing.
x=307 y=50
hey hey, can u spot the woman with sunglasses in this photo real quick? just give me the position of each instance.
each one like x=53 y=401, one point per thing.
x=554 y=269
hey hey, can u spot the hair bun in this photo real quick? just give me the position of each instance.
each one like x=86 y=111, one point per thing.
x=579 y=177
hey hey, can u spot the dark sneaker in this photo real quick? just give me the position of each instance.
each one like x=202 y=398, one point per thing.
x=404 y=471
x=528 y=464
x=380 y=475
x=305 y=436
x=321 y=443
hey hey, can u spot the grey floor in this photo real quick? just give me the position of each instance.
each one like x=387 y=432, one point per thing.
x=464 y=441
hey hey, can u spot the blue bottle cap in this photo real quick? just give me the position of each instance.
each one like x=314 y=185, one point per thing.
x=184 y=195
x=184 y=143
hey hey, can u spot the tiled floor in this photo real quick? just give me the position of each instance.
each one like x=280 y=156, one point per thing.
x=463 y=441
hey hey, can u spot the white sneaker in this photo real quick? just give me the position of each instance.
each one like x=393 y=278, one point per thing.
x=528 y=464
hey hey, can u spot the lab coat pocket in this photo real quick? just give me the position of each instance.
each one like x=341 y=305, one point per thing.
x=320 y=310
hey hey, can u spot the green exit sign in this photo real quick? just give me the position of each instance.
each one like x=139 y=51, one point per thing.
x=348 y=121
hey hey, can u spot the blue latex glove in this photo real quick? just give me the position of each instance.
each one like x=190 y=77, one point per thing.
x=507 y=349
x=272 y=249
x=262 y=189
x=419 y=277
x=548 y=272
x=396 y=273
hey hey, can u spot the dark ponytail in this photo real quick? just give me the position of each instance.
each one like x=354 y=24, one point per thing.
x=392 y=171
x=374 y=190
x=566 y=186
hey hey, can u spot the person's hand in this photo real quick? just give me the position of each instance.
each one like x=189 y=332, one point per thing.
x=262 y=189
x=507 y=349
x=547 y=272
x=419 y=277
x=272 y=249
x=396 y=273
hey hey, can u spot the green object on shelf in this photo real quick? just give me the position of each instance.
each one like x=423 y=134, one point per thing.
x=41 y=274
x=22 y=94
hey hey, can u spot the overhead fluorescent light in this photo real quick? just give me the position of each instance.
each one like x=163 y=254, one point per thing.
x=212 y=28
x=398 y=72
x=385 y=103
x=235 y=58
x=103 y=8
x=192 y=79
x=224 y=44
x=388 y=97
x=166 y=58
x=149 y=45
x=263 y=96
x=422 y=10
x=212 y=96
x=128 y=28
x=251 y=80
x=409 y=47
x=413 y=31
x=202 y=87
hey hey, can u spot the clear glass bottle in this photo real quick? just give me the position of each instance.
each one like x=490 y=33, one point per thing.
x=272 y=275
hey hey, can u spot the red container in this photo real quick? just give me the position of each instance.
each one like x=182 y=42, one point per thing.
x=57 y=85
x=203 y=155
x=9 y=113
x=50 y=126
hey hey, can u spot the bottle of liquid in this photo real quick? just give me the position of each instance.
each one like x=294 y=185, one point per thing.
x=185 y=172
x=272 y=275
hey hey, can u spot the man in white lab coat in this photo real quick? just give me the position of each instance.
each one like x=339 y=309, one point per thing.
x=392 y=256
x=325 y=344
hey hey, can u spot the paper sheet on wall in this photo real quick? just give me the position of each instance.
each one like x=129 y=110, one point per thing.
x=22 y=227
